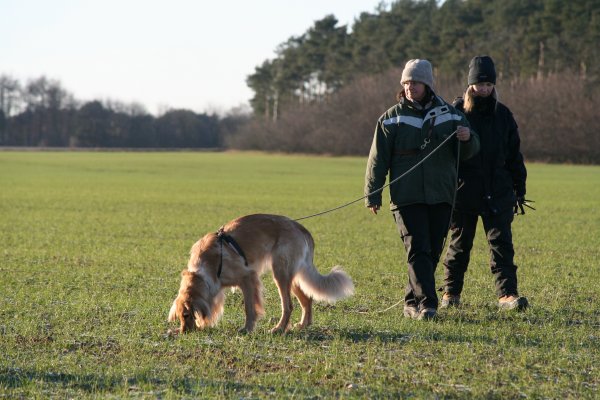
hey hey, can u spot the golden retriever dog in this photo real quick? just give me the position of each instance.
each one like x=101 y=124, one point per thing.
x=237 y=255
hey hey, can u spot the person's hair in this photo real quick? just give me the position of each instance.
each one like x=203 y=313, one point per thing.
x=402 y=93
x=469 y=102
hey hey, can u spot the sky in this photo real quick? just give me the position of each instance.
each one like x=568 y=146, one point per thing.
x=192 y=54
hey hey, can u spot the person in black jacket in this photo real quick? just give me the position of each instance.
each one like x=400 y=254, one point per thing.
x=490 y=185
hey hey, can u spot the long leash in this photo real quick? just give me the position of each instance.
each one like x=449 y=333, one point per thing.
x=391 y=182
x=222 y=236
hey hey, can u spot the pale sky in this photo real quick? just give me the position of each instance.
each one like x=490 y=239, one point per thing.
x=193 y=54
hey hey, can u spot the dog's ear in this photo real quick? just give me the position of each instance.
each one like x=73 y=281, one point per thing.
x=173 y=311
x=201 y=311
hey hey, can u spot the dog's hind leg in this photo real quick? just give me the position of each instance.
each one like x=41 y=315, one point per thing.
x=284 y=285
x=306 y=304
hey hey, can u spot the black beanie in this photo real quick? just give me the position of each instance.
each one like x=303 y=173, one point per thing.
x=481 y=69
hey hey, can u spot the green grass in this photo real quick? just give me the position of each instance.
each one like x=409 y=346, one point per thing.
x=92 y=245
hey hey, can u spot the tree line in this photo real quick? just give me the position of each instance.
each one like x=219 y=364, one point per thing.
x=43 y=113
x=325 y=88
x=526 y=38
x=556 y=114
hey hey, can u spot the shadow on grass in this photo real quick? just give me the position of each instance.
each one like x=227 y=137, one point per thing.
x=533 y=316
x=365 y=335
x=490 y=326
x=98 y=385
x=494 y=320
x=15 y=378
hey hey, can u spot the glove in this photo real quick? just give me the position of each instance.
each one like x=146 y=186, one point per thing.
x=522 y=202
x=518 y=209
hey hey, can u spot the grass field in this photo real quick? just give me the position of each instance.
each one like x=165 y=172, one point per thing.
x=92 y=245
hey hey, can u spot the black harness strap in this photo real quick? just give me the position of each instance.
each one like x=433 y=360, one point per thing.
x=223 y=237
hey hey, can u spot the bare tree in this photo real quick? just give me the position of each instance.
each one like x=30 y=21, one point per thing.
x=45 y=93
x=10 y=95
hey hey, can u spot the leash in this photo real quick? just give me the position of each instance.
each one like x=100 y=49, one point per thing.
x=411 y=169
x=456 y=187
x=223 y=237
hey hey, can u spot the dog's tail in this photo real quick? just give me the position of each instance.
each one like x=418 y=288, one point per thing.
x=331 y=287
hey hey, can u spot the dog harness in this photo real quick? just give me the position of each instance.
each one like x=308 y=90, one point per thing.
x=223 y=237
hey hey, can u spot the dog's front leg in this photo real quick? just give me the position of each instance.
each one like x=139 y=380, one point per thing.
x=249 y=290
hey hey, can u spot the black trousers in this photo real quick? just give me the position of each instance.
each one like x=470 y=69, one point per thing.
x=423 y=228
x=499 y=236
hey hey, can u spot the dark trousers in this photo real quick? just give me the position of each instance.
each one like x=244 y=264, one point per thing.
x=423 y=228
x=499 y=236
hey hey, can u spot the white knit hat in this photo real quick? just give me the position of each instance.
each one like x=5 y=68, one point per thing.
x=419 y=71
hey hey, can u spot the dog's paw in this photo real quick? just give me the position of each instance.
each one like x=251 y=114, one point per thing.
x=172 y=333
x=244 y=331
x=278 y=330
x=299 y=326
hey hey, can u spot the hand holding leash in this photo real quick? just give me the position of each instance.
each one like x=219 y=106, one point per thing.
x=463 y=133
x=522 y=202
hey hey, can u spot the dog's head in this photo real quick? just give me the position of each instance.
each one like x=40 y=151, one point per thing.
x=192 y=306
x=199 y=303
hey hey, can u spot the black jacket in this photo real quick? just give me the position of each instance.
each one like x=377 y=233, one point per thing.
x=489 y=181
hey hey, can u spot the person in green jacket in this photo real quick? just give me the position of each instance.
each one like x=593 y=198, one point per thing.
x=421 y=201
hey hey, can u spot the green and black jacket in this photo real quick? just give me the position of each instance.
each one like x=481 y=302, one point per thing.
x=399 y=135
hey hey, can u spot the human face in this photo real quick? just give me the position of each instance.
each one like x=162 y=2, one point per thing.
x=483 y=89
x=415 y=91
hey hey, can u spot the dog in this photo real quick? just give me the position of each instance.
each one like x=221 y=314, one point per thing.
x=237 y=256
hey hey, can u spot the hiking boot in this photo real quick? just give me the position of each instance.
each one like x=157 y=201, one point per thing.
x=513 y=302
x=450 y=300
x=411 y=311
x=427 y=314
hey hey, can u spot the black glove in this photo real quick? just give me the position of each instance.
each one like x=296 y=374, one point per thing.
x=521 y=202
